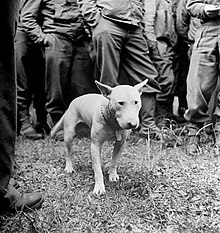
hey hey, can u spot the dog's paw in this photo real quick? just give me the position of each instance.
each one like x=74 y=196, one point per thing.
x=69 y=169
x=113 y=176
x=99 y=190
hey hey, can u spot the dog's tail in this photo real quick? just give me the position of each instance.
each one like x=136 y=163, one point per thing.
x=58 y=126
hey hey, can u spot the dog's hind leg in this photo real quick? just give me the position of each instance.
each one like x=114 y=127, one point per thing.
x=69 y=133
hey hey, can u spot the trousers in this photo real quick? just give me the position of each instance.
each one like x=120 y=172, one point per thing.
x=119 y=46
x=203 y=74
x=30 y=78
x=163 y=61
x=8 y=18
x=69 y=72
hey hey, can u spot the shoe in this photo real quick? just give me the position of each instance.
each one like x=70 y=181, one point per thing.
x=193 y=144
x=14 y=201
x=42 y=128
x=31 y=133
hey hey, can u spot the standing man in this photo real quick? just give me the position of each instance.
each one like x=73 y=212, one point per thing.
x=204 y=70
x=30 y=84
x=119 y=44
x=64 y=38
x=10 y=198
x=162 y=38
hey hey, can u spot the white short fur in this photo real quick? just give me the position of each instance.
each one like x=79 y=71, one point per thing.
x=110 y=115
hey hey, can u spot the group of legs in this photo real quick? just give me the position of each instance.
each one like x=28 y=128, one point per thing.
x=49 y=78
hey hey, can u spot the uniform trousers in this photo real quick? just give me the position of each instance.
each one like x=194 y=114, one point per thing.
x=121 y=48
x=203 y=75
x=68 y=73
x=8 y=13
x=30 y=78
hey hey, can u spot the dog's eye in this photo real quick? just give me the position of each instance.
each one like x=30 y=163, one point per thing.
x=121 y=103
x=136 y=102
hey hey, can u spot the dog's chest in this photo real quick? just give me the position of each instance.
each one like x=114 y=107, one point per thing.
x=115 y=135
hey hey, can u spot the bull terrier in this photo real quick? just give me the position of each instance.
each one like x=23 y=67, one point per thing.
x=110 y=115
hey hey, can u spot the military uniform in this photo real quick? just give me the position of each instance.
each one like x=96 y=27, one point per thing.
x=204 y=68
x=62 y=34
x=119 y=44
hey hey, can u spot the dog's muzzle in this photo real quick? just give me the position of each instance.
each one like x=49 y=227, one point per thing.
x=130 y=125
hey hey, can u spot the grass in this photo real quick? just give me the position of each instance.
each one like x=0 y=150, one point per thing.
x=160 y=189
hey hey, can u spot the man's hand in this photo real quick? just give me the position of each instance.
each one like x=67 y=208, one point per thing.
x=212 y=10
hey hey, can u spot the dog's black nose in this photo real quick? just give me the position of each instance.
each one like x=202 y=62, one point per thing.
x=131 y=125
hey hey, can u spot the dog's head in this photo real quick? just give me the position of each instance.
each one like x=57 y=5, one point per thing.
x=124 y=103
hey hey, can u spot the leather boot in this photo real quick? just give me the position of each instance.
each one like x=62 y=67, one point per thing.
x=26 y=128
x=14 y=201
x=28 y=131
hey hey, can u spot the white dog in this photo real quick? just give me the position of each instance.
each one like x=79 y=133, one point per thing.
x=110 y=116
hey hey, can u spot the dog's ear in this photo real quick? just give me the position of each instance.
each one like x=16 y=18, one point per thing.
x=105 y=89
x=140 y=85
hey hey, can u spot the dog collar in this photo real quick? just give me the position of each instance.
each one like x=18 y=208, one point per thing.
x=103 y=115
x=118 y=134
x=108 y=119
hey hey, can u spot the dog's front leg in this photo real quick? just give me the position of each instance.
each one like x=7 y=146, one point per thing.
x=96 y=162
x=118 y=148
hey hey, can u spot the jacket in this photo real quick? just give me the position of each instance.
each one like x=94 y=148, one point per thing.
x=39 y=17
x=196 y=8
x=124 y=11
x=159 y=21
x=186 y=25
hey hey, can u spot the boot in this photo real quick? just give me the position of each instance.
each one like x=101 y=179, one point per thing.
x=14 y=201
x=26 y=128
x=147 y=115
x=29 y=132
x=164 y=114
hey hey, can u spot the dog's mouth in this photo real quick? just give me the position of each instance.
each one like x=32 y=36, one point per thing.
x=130 y=125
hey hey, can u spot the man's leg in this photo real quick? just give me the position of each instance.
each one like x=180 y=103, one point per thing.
x=25 y=63
x=9 y=197
x=201 y=82
x=58 y=61
x=108 y=41
x=39 y=90
x=163 y=62
x=8 y=11
x=138 y=66
x=82 y=81
x=181 y=68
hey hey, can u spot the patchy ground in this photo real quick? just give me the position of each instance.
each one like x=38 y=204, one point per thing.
x=160 y=190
